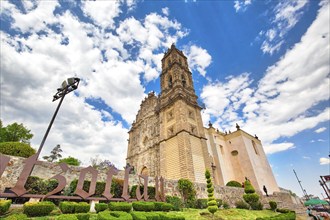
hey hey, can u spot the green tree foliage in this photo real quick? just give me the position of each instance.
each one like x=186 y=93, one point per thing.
x=251 y=197
x=188 y=192
x=212 y=205
x=17 y=149
x=234 y=183
x=54 y=154
x=15 y=133
x=70 y=161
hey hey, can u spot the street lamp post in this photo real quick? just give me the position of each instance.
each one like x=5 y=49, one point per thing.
x=68 y=86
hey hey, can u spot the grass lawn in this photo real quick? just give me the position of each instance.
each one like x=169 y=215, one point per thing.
x=189 y=214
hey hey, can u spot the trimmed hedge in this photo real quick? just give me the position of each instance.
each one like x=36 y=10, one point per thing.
x=163 y=206
x=4 y=206
x=175 y=201
x=250 y=198
x=248 y=188
x=291 y=215
x=117 y=215
x=143 y=206
x=74 y=207
x=39 y=186
x=99 y=207
x=273 y=205
x=81 y=207
x=120 y=206
x=16 y=217
x=82 y=216
x=234 y=183
x=242 y=205
x=17 y=149
x=151 y=191
x=32 y=209
x=67 y=217
x=171 y=217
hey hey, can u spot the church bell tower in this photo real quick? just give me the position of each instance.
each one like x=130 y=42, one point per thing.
x=182 y=147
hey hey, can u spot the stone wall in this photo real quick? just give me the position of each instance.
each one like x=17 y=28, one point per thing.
x=229 y=194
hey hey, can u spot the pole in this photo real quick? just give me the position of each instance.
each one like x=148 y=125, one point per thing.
x=304 y=191
x=51 y=123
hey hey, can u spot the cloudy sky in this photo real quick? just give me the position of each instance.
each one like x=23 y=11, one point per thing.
x=261 y=64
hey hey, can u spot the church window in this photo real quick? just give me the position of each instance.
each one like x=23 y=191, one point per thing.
x=255 y=147
x=234 y=153
x=170 y=81
x=183 y=79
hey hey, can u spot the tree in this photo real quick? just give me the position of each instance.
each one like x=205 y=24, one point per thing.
x=70 y=161
x=212 y=205
x=188 y=192
x=100 y=164
x=54 y=154
x=15 y=133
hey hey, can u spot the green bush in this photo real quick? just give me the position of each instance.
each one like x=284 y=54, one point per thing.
x=242 y=205
x=82 y=216
x=234 y=183
x=32 y=209
x=248 y=188
x=170 y=217
x=67 y=217
x=225 y=205
x=120 y=206
x=4 y=206
x=67 y=207
x=250 y=198
x=212 y=205
x=116 y=215
x=99 y=207
x=188 y=193
x=16 y=149
x=36 y=185
x=163 y=206
x=81 y=207
x=175 y=201
x=273 y=205
x=16 y=217
x=151 y=191
x=212 y=209
x=70 y=161
x=284 y=210
x=116 y=187
x=143 y=206
x=256 y=205
x=201 y=203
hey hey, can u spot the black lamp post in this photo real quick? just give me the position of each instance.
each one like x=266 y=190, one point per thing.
x=68 y=86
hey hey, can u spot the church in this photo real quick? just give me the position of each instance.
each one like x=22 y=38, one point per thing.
x=168 y=138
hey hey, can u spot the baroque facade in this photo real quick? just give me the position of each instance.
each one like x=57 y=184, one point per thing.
x=168 y=137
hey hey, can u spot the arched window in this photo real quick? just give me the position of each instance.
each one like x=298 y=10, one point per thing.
x=183 y=80
x=144 y=171
x=255 y=147
x=170 y=82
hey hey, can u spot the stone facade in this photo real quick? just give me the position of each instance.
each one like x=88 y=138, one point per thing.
x=168 y=137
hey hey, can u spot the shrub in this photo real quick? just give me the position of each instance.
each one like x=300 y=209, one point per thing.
x=16 y=217
x=170 y=217
x=225 y=205
x=256 y=205
x=107 y=215
x=82 y=216
x=36 y=185
x=67 y=217
x=81 y=207
x=4 y=206
x=273 y=205
x=188 y=193
x=151 y=191
x=67 y=207
x=212 y=205
x=163 y=206
x=219 y=202
x=99 y=207
x=234 y=183
x=250 y=198
x=242 y=205
x=17 y=149
x=175 y=201
x=32 y=209
x=143 y=206
x=120 y=206
x=248 y=188
x=201 y=203
x=70 y=161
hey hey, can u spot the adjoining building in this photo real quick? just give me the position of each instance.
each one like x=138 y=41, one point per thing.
x=168 y=137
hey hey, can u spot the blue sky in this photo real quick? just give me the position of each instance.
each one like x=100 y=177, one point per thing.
x=261 y=64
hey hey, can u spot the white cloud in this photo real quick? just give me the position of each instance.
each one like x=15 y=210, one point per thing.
x=286 y=16
x=102 y=12
x=198 y=58
x=320 y=130
x=307 y=158
x=324 y=161
x=282 y=103
x=166 y=11
x=241 y=5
